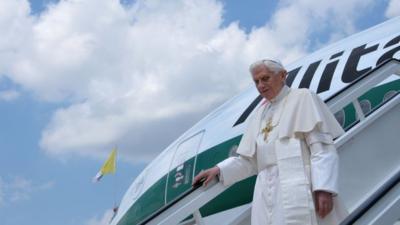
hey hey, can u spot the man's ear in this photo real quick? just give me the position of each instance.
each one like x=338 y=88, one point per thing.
x=283 y=74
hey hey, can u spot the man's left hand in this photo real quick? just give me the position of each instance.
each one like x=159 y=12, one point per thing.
x=323 y=203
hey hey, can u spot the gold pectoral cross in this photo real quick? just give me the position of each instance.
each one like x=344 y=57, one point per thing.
x=268 y=128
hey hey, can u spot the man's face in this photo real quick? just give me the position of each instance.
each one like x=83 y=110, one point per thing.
x=268 y=83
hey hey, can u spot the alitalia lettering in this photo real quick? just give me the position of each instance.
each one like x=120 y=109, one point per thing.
x=349 y=73
x=327 y=75
x=389 y=54
x=308 y=75
x=291 y=75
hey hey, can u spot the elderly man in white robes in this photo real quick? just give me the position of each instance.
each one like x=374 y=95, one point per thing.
x=289 y=144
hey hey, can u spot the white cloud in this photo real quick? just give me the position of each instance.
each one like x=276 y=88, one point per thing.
x=131 y=74
x=9 y=95
x=393 y=9
x=15 y=24
x=20 y=189
x=301 y=21
x=17 y=189
x=102 y=220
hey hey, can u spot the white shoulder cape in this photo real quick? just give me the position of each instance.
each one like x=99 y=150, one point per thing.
x=303 y=112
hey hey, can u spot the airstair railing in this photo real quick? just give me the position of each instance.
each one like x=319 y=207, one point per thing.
x=384 y=70
x=192 y=200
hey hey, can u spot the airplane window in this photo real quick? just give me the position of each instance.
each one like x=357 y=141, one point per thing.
x=365 y=106
x=389 y=95
x=340 y=117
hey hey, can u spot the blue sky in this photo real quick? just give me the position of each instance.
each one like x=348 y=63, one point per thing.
x=78 y=77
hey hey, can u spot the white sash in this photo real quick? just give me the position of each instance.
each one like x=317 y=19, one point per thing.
x=293 y=182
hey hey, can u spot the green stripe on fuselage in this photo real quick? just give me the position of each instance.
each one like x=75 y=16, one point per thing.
x=149 y=202
x=375 y=96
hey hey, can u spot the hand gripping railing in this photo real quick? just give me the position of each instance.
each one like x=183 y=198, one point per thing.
x=192 y=200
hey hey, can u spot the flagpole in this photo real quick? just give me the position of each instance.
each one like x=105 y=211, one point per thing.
x=115 y=180
x=115 y=207
x=109 y=167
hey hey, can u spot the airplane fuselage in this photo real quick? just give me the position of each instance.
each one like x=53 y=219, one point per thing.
x=217 y=136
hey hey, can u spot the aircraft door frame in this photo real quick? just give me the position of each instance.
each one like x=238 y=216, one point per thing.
x=182 y=166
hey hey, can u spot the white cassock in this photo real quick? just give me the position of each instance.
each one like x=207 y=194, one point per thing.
x=296 y=159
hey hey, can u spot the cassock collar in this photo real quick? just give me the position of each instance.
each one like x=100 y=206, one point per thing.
x=282 y=94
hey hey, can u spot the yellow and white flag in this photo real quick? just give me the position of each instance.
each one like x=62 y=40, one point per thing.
x=108 y=166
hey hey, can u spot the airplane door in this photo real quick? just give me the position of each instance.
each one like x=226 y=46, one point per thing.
x=182 y=166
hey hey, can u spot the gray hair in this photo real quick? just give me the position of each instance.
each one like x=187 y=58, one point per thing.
x=274 y=65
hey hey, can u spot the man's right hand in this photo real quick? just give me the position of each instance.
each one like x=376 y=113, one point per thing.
x=207 y=176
